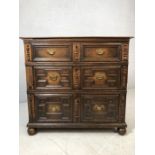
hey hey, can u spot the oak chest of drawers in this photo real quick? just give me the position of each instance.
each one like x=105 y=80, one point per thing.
x=76 y=82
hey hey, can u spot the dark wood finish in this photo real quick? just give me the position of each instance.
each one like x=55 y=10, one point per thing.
x=99 y=108
x=101 y=77
x=52 y=52
x=100 y=52
x=76 y=82
x=53 y=108
x=48 y=77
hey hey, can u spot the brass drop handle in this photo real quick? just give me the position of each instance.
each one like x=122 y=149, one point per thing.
x=51 y=51
x=98 y=108
x=99 y=77
x=53 y=77
x=54 y=108
x=100 y=51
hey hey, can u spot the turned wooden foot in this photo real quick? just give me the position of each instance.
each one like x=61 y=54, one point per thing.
x=115 y=129
x=32 y=131
x=122 y=131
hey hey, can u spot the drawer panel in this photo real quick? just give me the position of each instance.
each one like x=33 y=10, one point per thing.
x=54 y=107
x=47 y=77
x=52 y=52
x=100 y=52
x=99 y=108
x=101 y=77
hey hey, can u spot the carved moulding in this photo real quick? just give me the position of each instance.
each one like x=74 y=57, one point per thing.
x=76 y=117
x=28 y=56
x=125 y=52
x=122 y=108
x=31 y=106
x=76 y=77
x=124 y=76
x=29 y=77
x=76 y=51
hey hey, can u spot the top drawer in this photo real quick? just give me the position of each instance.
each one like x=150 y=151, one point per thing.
x=68 y=51
x=100 y=52
x=52 y=52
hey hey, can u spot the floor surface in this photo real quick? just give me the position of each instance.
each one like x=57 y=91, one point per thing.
x=78 y=142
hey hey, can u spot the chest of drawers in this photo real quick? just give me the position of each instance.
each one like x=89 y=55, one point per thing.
x=76 y=82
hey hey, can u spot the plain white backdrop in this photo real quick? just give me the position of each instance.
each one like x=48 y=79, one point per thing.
x=145 y=32
x=76 y=18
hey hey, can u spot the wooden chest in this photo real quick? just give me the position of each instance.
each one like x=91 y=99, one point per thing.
x=76 y=82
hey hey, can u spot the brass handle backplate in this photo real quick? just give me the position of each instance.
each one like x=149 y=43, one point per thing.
x=100 y=51
x=100 y=77
x=53 y=77
x=98 y=108
x=54 y=108
x=51 y=51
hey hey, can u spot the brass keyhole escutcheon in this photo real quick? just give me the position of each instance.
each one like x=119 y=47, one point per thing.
x=51 y=52
x=53 y=77
x=100 y=51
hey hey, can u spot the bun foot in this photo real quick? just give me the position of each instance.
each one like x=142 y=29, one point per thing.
x=31 y=131
x=122 y=131
x=115 y=129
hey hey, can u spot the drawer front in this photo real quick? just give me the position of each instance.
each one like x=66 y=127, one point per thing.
x=52 y=52
x=100 y=52
x=47 y=77
x=54 y=108
x=101 y=77
x=99 y=108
